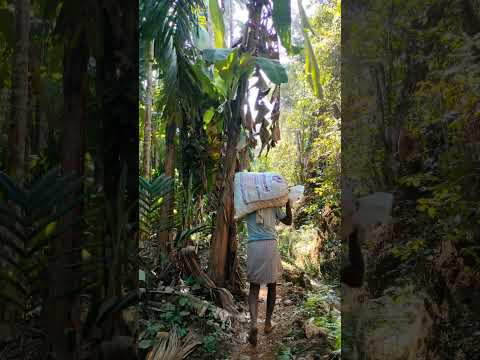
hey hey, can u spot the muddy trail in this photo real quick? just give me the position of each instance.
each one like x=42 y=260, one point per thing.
x=306 y=319
x=293 y=336
x=268 y=344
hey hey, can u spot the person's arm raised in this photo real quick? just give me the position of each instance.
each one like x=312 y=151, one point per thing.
x=287 y=220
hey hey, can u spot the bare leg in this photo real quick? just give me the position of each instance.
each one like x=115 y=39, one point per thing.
x=271 y=297
x=253 y=306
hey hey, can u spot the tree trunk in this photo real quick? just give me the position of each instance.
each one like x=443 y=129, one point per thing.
x=222 y=257
x=42 y=125
x=30 y=132
x=147 y=139
x=219 y=247
x=37 y=132
x=64 y=316
x=301 y=162
x=17 y=131
x=119 y=71
x=164 y=237
x=18 y=128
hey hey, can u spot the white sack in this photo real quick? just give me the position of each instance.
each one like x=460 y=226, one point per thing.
x=254 y=191
x=295 y=195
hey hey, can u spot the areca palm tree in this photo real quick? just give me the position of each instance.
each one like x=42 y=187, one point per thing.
x=18 y=128
x=172 y=26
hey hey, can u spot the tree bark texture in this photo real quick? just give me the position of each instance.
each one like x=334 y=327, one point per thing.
x=222 y=263
x=18 y=128
x=64 y=314
x=119 y=103
x=165 y=237
x=147 y=135
x=17 y=131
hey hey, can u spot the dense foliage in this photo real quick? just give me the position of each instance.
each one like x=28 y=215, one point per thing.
x=410 y=127
x=311 y=131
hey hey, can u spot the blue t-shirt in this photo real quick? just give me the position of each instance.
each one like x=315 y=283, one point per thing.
x=265 y=230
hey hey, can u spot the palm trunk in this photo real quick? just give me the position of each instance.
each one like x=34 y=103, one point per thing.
x=30 y=132
x=120 y=146
x=42 y=126
x=18 y=129
x=36 y=88
x=164 y=237
x=64 y=309
x=147 y=140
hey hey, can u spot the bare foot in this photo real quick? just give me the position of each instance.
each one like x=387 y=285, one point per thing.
x=252 y=336
x=268 y=328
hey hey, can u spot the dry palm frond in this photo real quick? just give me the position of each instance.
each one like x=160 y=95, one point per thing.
x=171 y=347
x=190 y=260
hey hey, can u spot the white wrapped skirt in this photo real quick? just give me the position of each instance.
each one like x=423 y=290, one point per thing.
x=264 y=264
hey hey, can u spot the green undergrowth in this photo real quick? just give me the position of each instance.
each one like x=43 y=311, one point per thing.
x=296 y=248
x=319 y=305
x=182 y=312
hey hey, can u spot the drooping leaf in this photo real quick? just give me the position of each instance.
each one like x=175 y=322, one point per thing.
x=262 y=109
x=261 y=84
x=264 y=135
x=259 y=120
x=202 y=39
x=218 y=24
x=311 y=65
x=276 y=132
x=216 y=55
x=246 y=63
x=282 y=20
x=311 y=68
x=304 y=18
x=249 y=119
x=207 y=117
x=49 y=8
x=274 y=70
x=242 y=141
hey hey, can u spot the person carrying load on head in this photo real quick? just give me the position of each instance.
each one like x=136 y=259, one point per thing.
x=264 y=266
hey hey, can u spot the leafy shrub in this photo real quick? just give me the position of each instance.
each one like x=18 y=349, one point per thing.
x=210 y=344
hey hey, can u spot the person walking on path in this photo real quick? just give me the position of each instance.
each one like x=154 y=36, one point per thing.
x=264 y=264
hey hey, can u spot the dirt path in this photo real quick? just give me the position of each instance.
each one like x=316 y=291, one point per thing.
x=268 y=345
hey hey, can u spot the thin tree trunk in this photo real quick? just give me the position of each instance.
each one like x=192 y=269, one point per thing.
x=35 y=91
x=301 y=155
x=18 y=129
x=30 y=132
x=147 y=140
x=42 y=126
x=164 y=237
x=65 y=305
